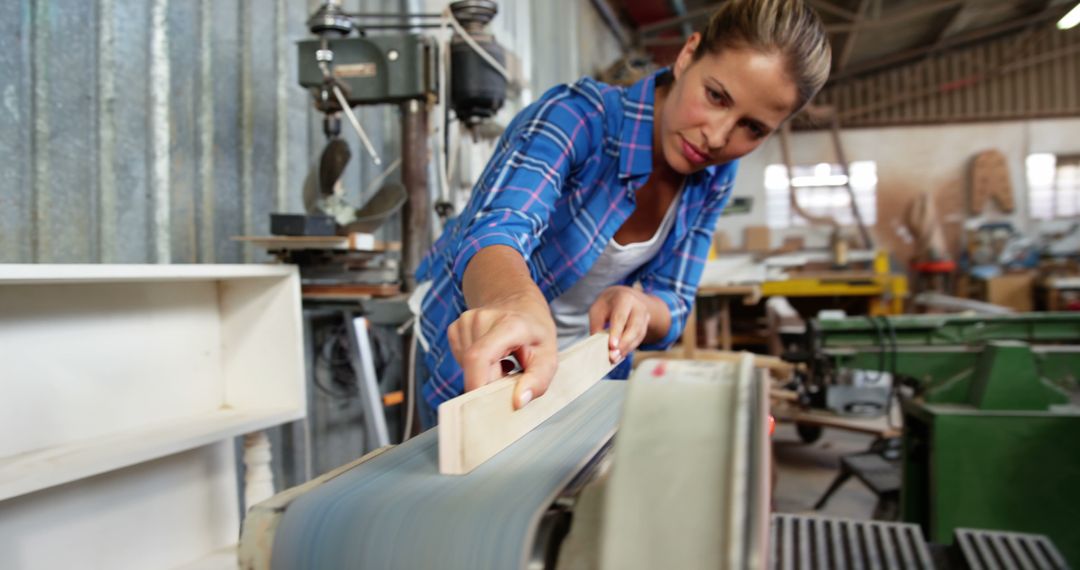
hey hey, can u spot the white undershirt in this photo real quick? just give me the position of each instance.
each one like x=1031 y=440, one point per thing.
x=571 y=309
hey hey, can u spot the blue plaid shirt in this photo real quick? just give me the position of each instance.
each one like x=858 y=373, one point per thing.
x=561 y=182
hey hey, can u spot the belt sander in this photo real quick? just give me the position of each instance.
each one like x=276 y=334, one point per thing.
x=684 y=485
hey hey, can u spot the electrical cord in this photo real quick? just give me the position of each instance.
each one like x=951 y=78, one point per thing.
x=894 y=392
x=879 y=337
x=410 y=382
x=888 y=356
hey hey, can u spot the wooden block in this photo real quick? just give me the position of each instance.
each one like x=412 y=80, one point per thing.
x=350 y=291
x=757 y=239
x=477 y=425
x=353 y=242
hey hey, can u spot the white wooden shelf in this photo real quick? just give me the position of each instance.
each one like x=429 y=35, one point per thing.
x=124 y=388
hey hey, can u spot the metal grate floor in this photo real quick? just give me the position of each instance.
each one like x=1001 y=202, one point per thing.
x=993 y=550
x=829 y=543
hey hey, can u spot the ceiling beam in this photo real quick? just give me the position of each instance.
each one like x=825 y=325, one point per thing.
x=662 y=25
x=612 y=22
x=897 y=18
x=846 y=48
x=952 y=22
x=961 y=39
x=829 y=7
x=961 y=83
x=679 y=8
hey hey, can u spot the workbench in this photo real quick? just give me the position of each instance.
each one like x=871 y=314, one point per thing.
x=884 y=291
x=1055 y=289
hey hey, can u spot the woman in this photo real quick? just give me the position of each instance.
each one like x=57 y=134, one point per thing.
x=594 y=189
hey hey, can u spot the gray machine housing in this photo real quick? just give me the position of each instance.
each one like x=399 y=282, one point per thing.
x=373 y=70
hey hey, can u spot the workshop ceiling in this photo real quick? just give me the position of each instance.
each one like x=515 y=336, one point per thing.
x=866 y=35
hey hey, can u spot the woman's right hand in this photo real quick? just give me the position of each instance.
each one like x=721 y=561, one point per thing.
x=520 y=325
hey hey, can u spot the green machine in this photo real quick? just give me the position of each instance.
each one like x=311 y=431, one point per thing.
x=991 y=415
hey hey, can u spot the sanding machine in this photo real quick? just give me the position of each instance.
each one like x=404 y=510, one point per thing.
x=684 y=484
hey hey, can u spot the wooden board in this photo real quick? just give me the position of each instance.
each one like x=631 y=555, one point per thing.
x=750 y=294
x=351 y=242
x=58 y=464
x=351 y=291
x=477 y=425
x=784 y=410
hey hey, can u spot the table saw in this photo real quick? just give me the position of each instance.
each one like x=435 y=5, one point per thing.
x=990 y=409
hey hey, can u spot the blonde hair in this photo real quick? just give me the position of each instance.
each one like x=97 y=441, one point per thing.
x=788 y=27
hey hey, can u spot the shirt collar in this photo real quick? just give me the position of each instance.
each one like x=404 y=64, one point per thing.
x=635 y=140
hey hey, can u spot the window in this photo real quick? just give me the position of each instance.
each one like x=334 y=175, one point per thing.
x=1053 y=186
x=821 y=192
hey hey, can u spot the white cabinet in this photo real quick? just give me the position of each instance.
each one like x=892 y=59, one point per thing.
x=123 y=387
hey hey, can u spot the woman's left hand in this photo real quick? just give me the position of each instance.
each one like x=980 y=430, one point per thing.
x=625 y=312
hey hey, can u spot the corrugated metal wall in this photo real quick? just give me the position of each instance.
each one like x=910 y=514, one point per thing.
x=154 y=130
x=1031 y=74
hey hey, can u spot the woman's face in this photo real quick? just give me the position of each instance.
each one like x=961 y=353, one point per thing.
x=722 y=106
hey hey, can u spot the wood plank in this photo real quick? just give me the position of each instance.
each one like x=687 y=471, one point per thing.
x=41 y=469
x=874 y=426
x=41 y=273
x=351 y=242
x=477 y=425
x=689 y=334
x=750 y=294
x=350 y=291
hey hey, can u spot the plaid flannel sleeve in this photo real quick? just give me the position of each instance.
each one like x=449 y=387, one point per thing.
x=522 y=182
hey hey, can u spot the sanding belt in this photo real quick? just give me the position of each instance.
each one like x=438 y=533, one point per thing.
x=395 y=510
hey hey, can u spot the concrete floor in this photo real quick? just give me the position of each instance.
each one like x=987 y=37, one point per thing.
x=804 y=472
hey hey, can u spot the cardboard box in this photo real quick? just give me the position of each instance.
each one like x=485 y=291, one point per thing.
x=757 y=239
x=1013 y=290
